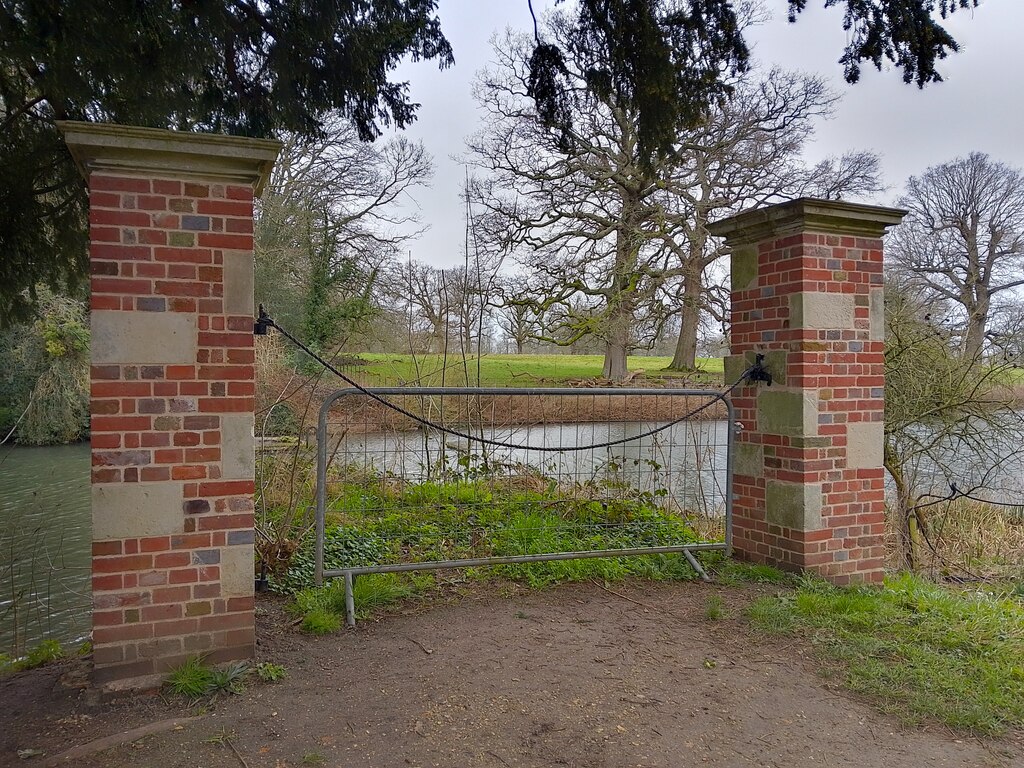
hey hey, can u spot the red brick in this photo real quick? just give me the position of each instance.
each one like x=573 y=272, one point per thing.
x=226 y=372
x=224 y=522
x=196 y=190
x=240 y=209
x=166 y=186
x=172 y=559
x=177 y=594
x=181 y=371
x=188 y=472
x=183 y=576
x=239 y=193
x=194 y=289
x=101 y=548
x=121 y=564
x=120 y=285
x=183 y=255
x=99 y=182
x=228 y=488
x=218 y=240
x=121 y=633
x=226 y=405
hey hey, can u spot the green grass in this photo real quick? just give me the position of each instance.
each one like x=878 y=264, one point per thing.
x=323 y=608
x=44 y=653
x=923 y=651
x=508 y=370
x=193 y=679
x=378 y=520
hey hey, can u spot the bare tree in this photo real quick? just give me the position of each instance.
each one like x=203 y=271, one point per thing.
x=417 y=292
x=963 y=240
x=746 y=153
x=330 y=219
x=517 y=319
x=619 y=245
x=950 y=421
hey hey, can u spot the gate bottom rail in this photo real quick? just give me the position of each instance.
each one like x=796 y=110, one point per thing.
x=435 y=565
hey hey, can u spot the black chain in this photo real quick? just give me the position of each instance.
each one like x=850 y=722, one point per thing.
x=264 y=321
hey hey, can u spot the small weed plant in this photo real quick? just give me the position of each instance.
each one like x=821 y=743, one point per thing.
x=268 y=672
x=925 y=652
x=192 y=679
x=47 y=651
x=195 y=680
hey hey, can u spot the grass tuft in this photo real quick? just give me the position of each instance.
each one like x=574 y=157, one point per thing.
x=192 y=679
x=714 y=608
x=321 y=621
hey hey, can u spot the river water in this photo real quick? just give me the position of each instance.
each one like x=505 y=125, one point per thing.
x=45 y=545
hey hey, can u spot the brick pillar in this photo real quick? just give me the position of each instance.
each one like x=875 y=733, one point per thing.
x=170 y=222
x=807 y=293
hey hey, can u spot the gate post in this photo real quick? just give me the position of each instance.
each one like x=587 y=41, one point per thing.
x=172 y=387
x=807 y=294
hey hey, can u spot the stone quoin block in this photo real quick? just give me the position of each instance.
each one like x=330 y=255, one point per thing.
x=136 y=510
x=172 y=394
x=141 y=338
x=807 y=294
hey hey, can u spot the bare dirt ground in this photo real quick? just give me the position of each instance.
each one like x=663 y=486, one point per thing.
x=572 y=676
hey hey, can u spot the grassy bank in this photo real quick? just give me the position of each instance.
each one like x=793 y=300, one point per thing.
x=921 y=651
x=511 y=370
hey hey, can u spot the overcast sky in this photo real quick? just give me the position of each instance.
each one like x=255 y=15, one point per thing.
x=979 y=107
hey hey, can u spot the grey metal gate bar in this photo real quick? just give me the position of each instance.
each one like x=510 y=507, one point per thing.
x=349 y=573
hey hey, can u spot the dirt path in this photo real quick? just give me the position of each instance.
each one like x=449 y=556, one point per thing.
x=574 y=676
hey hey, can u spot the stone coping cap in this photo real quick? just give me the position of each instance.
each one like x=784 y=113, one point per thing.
x=807 y=214
x=158 y=152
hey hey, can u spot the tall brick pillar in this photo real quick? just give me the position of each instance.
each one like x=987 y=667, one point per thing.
x=807 y=293
x=170 y=222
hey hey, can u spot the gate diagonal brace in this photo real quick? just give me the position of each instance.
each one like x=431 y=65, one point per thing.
x=695 y=564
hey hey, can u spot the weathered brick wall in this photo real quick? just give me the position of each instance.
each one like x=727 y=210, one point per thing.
x=172 y=410
x=807 y=293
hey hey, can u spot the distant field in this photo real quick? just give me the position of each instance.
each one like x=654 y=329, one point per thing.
x=509 y=370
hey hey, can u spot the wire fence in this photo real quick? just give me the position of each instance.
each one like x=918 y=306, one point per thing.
x=430 y=478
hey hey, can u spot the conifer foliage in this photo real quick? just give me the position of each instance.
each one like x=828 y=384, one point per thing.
x=246 y=67
x=670 y=60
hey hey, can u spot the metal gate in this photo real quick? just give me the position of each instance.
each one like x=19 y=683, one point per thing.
x=428 y=478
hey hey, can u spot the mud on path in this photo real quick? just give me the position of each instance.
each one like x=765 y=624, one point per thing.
x=572 y=676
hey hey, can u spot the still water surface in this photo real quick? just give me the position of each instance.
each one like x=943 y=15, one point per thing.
x=45 y=545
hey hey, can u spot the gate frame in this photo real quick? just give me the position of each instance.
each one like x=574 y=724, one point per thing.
x=348 y=574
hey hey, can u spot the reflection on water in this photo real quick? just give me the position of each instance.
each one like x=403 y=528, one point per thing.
x=684 y=464
x=45 y=545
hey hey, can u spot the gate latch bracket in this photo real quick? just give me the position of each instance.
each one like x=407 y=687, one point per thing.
x=757 y=372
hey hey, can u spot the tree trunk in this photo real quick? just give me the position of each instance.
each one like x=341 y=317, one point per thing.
x=685 y=358
x=615 y=352
x=621 y=297
x=974 y=340
x=906 y=519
